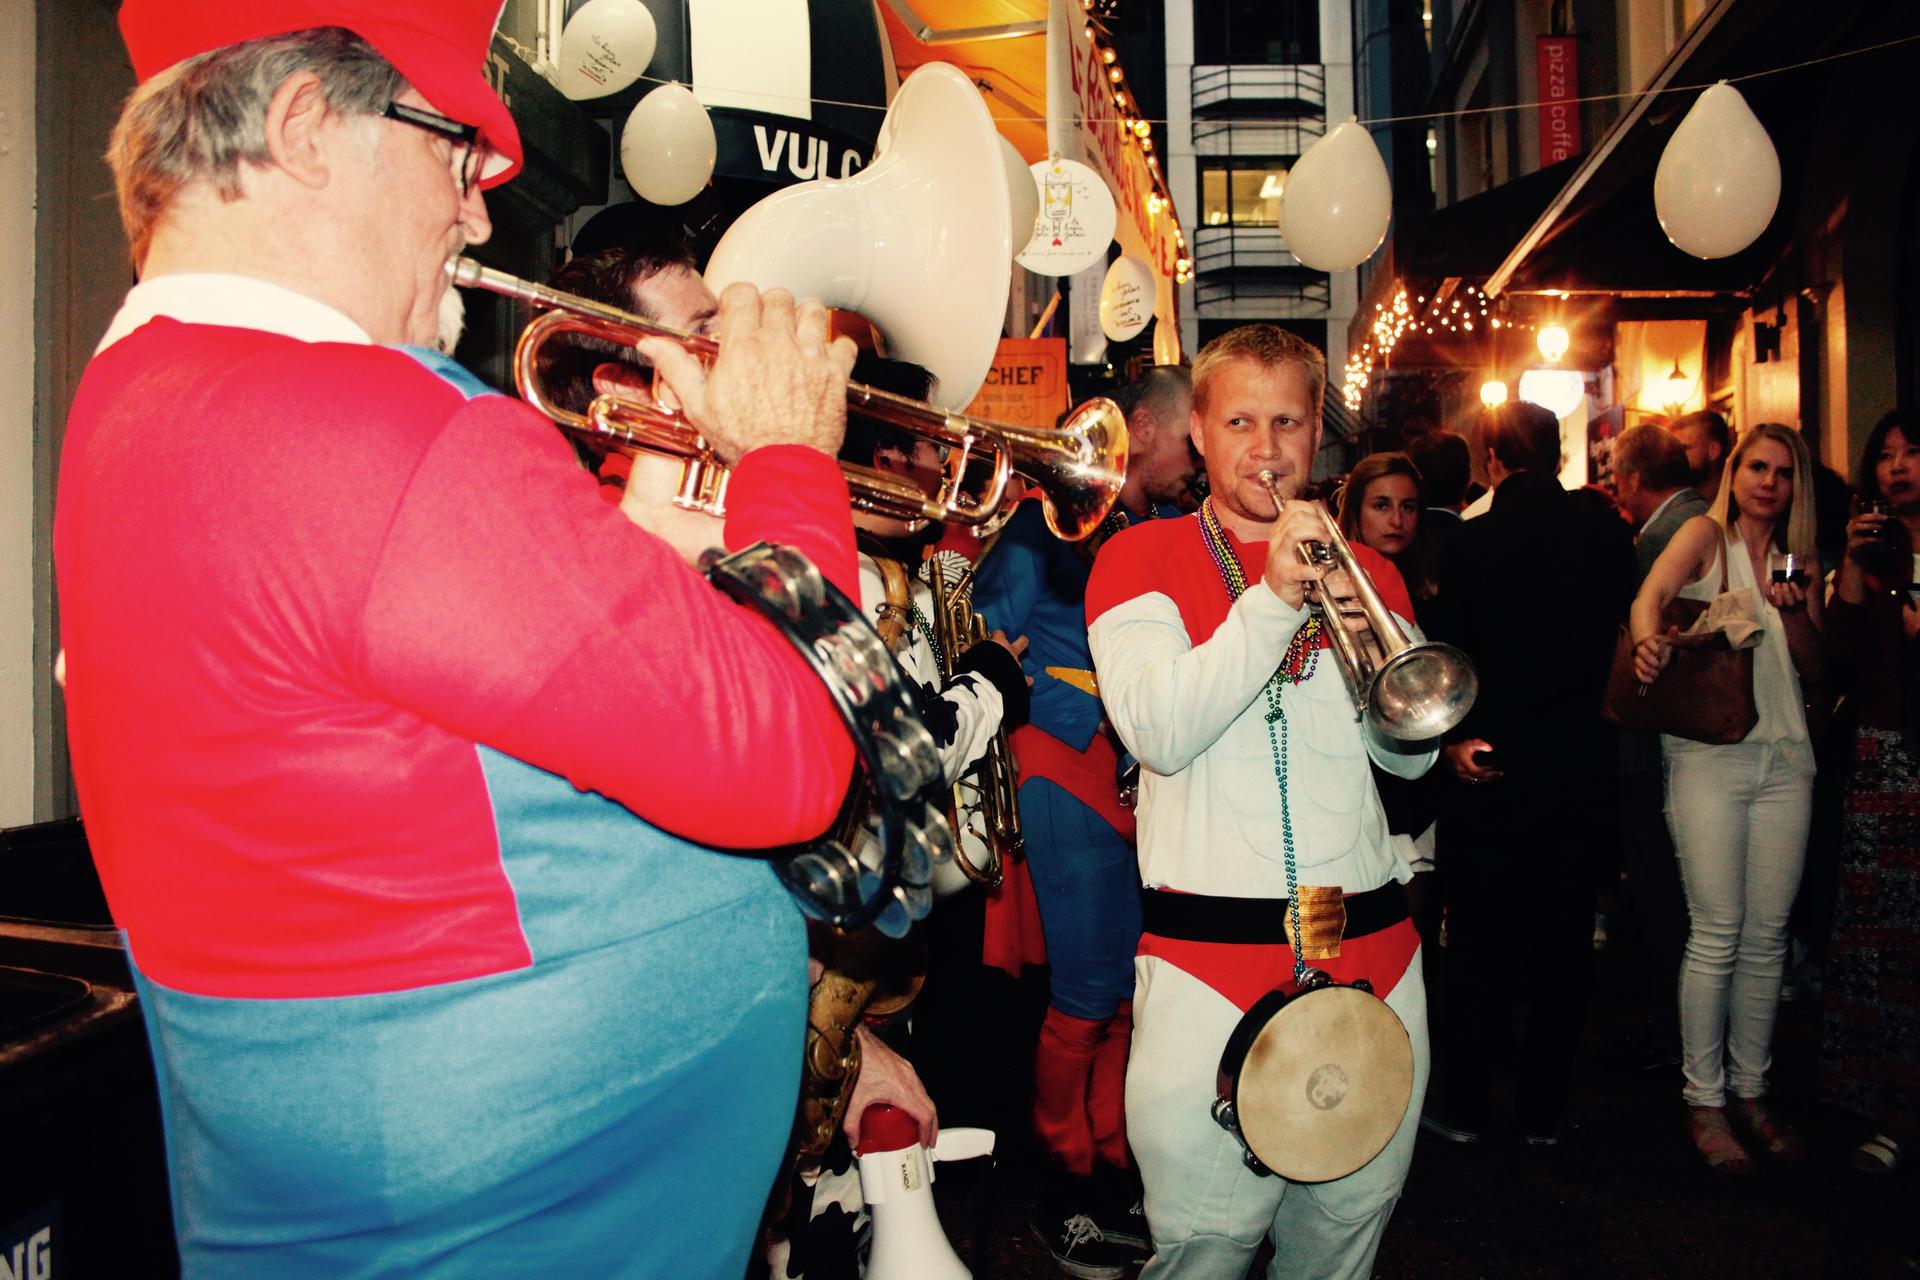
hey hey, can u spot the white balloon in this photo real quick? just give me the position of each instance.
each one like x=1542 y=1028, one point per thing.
x=1023 y=195
x=1337 y=200
x=1718 y=183
x=605 y=47
x=667 y=148
x=1126 y=298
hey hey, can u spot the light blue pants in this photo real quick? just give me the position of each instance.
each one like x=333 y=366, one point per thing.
x=1739 y=817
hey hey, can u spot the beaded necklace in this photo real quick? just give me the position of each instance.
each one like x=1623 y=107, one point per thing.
x=1296 y=665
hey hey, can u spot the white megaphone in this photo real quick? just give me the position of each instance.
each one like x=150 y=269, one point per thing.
x=918 y=242
x=896 y=1180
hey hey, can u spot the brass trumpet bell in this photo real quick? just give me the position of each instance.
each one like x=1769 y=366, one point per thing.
x=1078 y=469
x=1410 y=690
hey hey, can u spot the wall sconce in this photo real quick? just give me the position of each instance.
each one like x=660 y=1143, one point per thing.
x=1677 y=389
x=1553 y=342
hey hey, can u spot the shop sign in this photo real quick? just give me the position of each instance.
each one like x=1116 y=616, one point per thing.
x=1559 y=83
x=1027 y=385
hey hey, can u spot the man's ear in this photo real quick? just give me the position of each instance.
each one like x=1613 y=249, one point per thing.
x=298 y=136
x=1193 y=432
x=618 y=378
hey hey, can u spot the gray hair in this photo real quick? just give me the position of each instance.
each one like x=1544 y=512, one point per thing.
x=198 y=120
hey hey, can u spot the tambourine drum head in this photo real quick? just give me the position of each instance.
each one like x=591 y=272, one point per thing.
x=1325 y=1084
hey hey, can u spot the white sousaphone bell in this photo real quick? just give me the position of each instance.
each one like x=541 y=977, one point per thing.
x=919 y=242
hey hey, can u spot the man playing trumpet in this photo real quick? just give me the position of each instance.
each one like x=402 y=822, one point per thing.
x=1255 y=773
x=405 y=817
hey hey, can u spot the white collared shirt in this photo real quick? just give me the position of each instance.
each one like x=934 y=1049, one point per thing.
x=235 y=301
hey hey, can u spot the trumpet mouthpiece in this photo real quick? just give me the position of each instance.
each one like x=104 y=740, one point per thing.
x=1269 y=479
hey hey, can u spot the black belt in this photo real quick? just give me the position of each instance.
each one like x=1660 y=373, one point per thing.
x=1200 y=917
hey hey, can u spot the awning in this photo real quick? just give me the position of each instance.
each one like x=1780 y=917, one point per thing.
x=1002 y=44
x=1599 y=234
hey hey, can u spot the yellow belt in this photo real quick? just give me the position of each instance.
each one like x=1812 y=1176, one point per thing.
x=1084 y=681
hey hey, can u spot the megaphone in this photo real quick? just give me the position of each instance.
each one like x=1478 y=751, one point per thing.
x=896 y=1180
x=919 y=242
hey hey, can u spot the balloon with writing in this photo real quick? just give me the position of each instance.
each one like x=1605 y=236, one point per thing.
x=607 y=44
x=1126 y=298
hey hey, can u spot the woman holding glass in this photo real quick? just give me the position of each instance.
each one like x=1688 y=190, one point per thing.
x=1870 y=1051
x=1739 y=813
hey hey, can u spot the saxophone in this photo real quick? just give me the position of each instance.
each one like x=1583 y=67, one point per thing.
x=985 y=806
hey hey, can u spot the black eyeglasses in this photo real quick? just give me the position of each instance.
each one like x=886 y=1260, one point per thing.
x=464 y=137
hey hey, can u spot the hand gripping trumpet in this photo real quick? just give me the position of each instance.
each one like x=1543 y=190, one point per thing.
x=1411 y=690
x=1078 y=469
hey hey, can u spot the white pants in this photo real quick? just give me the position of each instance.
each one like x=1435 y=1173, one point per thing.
x=1205 y=1209
x=1739 y=817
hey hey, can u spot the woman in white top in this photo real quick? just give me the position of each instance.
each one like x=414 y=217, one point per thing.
x=1739 y=813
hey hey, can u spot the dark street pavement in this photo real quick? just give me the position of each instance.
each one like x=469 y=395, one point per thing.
x=1623 y=1195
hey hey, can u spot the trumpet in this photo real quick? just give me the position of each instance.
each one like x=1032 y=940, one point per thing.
x=1407 y=689
x=1077 y=469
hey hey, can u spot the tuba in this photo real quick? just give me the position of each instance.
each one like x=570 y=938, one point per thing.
x=986 y=810
x=1409 y=690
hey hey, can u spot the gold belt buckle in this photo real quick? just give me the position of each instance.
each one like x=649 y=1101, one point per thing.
x=1323 y=921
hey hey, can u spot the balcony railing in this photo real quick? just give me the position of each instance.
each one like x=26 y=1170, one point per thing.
x=1294 y=90
x=1249 y=263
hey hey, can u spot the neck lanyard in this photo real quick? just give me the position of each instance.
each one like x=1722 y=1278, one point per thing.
x=1298 y=663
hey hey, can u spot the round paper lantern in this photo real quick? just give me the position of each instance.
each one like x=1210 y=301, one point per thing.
x=605 y=47
x=1337 y=200
x=1719 y=178
x=1126 y=298
x=1075 y=223
x=667 y=148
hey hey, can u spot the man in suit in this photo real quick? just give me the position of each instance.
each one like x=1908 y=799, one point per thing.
x=1534 y=592
x=1651 y=480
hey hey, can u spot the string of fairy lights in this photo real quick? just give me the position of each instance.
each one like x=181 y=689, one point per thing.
x=1137 y=131
x=1459 y=313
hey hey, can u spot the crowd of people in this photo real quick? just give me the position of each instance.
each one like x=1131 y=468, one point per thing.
x=417 y=758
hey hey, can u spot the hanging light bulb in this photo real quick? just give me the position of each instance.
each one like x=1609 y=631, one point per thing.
x=1107 y=56
x=1113 y=74
x=1141 y=128
x=1553 y=342
x=1493 y=393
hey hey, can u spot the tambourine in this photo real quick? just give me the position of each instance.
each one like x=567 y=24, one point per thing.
x=1315 y=1079
x=887 y=884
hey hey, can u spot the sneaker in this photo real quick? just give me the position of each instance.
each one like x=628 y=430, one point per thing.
x=1126 y=1226
x=1082 y=1250
x=1441 y=1129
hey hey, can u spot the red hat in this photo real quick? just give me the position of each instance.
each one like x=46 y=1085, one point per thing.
x=440 y=46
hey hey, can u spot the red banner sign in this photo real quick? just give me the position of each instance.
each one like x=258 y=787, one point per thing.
x=1559 y=81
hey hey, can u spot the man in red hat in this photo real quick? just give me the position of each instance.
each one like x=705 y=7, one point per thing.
x=404 y=817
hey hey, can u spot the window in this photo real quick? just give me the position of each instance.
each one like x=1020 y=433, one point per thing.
x=1242 y=193
x=1256 y=31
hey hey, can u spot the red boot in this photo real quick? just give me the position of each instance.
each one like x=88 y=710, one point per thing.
x=1062 y=1074
x=1107 y=1090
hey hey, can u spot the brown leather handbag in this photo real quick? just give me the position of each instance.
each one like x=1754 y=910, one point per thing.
x=1706 y=691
